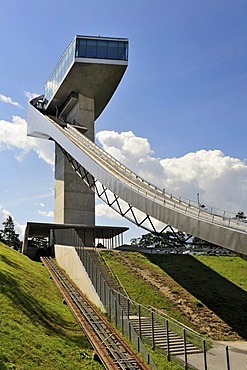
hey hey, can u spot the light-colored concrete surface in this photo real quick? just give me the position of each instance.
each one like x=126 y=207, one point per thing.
x=74 y=200
x=68 y=259
x=217 y=358
x=83 y=114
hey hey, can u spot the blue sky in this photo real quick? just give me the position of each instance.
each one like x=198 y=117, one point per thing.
x=182 y=101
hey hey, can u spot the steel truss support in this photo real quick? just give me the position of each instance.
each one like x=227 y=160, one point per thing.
x=124 y=209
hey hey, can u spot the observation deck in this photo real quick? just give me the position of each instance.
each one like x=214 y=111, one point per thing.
x=78 y=89
x=91 y=66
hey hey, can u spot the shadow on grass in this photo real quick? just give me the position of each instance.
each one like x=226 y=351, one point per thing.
x=227 y=300
x=35 y=310
x=13 y=264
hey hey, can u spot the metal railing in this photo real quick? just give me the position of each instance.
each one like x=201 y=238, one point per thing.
x=108 y=296
x=155 y=314
x=122 y=312
x=109 y=299
x=170 y=200
x=130 y=318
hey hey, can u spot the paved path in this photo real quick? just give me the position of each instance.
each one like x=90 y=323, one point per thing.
x=216 y=357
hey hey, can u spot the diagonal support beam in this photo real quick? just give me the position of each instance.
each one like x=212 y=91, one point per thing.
x=105 y=195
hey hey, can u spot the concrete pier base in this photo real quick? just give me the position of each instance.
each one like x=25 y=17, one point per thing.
x=68 y=259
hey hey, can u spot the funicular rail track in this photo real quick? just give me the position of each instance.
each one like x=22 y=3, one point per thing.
x=110 y=347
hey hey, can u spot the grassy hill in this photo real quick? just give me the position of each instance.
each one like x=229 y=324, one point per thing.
x=36 y=329
x=207 y=293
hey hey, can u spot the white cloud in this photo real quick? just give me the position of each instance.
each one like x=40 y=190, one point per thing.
x=30 y=95
x=220 y=180
x=8 y=100
x=125 y=146
x=3 y=214
x=13 y=135
x=46 y=213
x=103 y=210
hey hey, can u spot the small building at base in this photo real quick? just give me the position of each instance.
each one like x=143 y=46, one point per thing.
x=68 y=235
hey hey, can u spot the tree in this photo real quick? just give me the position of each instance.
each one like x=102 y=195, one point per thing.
x=199 y=243
x=8 y=235
x=168 y=239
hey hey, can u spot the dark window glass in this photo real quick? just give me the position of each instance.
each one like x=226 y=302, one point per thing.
x=91 y=48
x=81 y=48
x=112 y=50
x=122 y=51
x=102 y=49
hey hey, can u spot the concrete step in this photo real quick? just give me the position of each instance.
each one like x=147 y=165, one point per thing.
x=176 y=343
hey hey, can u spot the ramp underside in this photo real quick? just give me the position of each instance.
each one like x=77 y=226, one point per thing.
x=122 y=182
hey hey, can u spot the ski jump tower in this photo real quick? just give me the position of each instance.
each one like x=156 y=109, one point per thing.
x=76 y=92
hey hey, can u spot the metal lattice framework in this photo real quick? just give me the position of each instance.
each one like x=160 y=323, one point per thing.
x=126 y=210
x=134 y=198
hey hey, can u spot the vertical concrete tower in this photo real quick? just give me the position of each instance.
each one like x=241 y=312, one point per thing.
x=78 y=89
x=74 y=201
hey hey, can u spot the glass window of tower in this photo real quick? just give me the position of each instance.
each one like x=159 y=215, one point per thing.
x=113 y=50
x=81 y=47
x=91 y=49
x=101 y=49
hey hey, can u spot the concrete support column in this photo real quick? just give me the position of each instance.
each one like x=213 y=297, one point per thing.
x=83 y=114
x=74 y=201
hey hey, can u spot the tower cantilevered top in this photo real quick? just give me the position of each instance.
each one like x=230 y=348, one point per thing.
x=80 y=86
x=91 y=66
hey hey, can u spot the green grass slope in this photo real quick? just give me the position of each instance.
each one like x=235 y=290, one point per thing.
x=207 y=293
x=37 y=331
x=219 y=282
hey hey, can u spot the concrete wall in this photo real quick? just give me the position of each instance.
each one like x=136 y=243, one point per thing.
x=83 y=114
x=74 y=200
x=68 y=259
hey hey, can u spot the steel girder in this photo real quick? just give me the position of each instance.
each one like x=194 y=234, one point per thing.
x=124 y=209
x=215 y=227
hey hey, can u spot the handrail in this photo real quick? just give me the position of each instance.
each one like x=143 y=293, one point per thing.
x=171 y=201
x=114 y=275
x=161 y=313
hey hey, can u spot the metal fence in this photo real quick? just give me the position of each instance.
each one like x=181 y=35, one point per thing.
x=110 y=299
x=132 y=318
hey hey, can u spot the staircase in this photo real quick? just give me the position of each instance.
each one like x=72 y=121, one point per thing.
x=155 y=332
x=159 y=334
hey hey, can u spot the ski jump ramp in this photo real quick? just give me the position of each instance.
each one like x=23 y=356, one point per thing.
x=96 y=166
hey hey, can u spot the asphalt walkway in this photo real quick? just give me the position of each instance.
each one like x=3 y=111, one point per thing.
x=217 y=358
